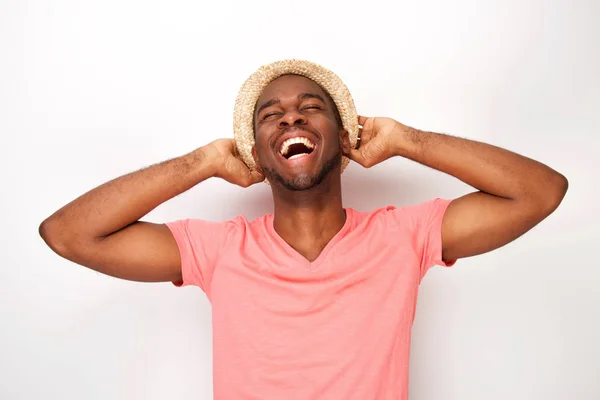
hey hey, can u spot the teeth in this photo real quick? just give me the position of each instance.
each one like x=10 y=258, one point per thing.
x=285 y=146
x=297 y=156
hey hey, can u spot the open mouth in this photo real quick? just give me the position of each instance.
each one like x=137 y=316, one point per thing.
x=296 y=147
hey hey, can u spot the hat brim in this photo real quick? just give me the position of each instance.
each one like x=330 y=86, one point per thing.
x=243 y=114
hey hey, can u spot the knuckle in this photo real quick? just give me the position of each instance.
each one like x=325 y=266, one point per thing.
x=245 y=182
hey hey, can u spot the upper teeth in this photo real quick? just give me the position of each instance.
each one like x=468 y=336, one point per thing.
x=285 y=146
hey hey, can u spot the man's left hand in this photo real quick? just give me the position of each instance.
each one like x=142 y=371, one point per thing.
x=378 y=140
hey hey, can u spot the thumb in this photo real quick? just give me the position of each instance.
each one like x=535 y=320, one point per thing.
x=256 y=176
x=357 y=156
x=249 y=179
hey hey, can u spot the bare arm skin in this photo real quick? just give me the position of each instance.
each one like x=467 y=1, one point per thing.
x=514 y=194
x=101 y=229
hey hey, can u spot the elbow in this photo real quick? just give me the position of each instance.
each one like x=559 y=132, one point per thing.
x=49 y=232
x=44 y=230
x=564 y=185
x=554 y=193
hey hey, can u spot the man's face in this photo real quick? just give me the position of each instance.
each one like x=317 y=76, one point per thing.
x=297 y=136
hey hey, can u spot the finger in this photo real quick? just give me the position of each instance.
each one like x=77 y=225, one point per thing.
x=346 y=151
x=234 y=148
x=240 y=174
x=253 y=175
x=362 y=120
x=249 y=179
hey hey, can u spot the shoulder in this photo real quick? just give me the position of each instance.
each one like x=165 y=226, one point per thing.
x=406 y=216
x=198 y=227
x=421 y=210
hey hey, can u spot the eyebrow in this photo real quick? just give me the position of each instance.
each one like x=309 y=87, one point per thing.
x=304 y=96
x=301 y=96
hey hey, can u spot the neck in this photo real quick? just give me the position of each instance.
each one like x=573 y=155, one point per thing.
x=307 y=220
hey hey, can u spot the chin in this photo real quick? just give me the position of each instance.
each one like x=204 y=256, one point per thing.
x=298 y=182
x=305 y=181
x=302 y=182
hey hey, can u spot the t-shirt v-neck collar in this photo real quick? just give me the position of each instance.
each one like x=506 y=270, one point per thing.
x=299 y=258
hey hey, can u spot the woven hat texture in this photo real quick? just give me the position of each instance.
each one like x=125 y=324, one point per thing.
x=253 y=87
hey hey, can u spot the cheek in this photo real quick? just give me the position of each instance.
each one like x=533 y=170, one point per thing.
x=262 y=148
x=328 y=124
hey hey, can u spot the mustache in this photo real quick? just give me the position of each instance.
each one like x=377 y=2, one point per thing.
x=292 y=128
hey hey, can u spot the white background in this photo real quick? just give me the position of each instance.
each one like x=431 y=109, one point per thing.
x=93 y=90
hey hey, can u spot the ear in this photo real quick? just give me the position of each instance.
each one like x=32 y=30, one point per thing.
x=345 y=144
x=255 y=157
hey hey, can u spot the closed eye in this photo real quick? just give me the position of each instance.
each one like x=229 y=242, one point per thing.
x=269 y=115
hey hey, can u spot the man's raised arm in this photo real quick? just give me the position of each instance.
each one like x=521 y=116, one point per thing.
x=514 y=192
x=101 y=229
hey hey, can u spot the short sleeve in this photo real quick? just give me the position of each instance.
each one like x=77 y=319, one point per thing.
x=201 y=244
x=424 y=221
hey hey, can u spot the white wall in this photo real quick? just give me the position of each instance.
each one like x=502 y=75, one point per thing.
x=93 y=90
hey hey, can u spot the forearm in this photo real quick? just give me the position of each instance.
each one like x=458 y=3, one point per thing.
x=124 y=200
x=487 y=168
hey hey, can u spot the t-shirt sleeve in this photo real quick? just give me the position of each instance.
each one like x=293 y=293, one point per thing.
x=425 y=223
x=200 y=243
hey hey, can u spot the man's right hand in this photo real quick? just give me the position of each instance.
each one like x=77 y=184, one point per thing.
x=223 y=154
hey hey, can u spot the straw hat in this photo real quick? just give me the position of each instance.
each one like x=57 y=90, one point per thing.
x=251 y=90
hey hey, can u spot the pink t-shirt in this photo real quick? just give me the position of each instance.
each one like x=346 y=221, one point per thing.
x=337 y=328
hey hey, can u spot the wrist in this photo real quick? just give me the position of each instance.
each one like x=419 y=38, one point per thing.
x=407 y=140
x=203 y=161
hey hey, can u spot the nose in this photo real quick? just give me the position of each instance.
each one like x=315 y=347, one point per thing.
x=292 y=118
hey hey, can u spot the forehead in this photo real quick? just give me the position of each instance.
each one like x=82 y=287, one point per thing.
x=289 y=86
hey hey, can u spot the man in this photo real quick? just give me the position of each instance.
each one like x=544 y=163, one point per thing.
x=314 y=301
